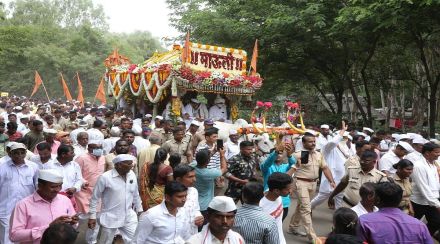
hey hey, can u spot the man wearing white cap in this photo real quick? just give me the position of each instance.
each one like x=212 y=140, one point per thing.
x=369 y=132
x=232 y=147
x=335 y=154
x=197 y=110
x=33 y=214
x=221 y=216
x=166 y=222
x=417 y=145
x=17 y=180
x=390 y=158
x=82 y=127
x=218 y=111
x=119 y=193
x=324 y=137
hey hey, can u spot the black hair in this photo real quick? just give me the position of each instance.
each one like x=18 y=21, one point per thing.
x=253 y=192
x=182 y=170
x=176 y=130
x=202 y=157
x=403 y=163
x=278 y=181
x=145 y=119
x=37 y=122
x=174 y=187
x=44 y=146
x=119 y=141
x=2 y=124
x=307 y=134
x=429 y=147
x=360 y=144
x=244 y=144
x=369 y=154
x=211 y=131
x=367 y=189
x=389 y=194
x=63 y=149
x=12 y=125
x=159 y=157
x=345 y=221
x=125 y=119
x=59 y=233
x=343 y=238
x=174 y=159
x=128 y=131
x=375 y=140
x=97 y=123
x=356 y=137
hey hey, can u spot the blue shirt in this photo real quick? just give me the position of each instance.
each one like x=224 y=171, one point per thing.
x=268 y=167
x=205 y=183
x=391 y=225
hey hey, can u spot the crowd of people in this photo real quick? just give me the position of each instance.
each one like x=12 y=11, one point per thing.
x=66 y=168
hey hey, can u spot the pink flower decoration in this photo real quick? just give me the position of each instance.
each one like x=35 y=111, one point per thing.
x=268 y=104
x=260 y=104
x=295 y=105
x=289 y=104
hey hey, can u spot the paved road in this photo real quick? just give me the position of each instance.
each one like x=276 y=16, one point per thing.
x=322 y=222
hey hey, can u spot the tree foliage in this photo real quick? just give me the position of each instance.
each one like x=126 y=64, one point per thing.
x=61 y=36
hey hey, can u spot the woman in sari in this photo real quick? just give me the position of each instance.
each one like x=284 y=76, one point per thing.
x=153 y=178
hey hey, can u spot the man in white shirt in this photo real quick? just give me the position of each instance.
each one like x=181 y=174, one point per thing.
x=417 y=145
x=109 y=143
x=18 y=179
x=335 y=153
x=167 y=222
x=390 y=158
x=324 y=137
x=218 y=111
x=119 y=193
x=232 y=146
x=280 y=185
x=197 y=110
x=426 y=186
x=82 y=127
x=69 y=169
x=221 y=216
x=186 y=175
x=81 y=147
x=44 y=159
x=95 y=133
x=366 y=205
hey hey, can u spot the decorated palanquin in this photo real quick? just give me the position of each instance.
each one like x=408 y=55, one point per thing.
x=195 y=67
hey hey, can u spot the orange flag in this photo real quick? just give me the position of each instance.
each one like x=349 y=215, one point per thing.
x=38 y=82
x=100 y=93
x=254 y=58
x=185 y=51
x=80 y=90
x=66 y=89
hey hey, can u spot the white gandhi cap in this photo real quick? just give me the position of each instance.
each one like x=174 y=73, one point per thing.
x=51 y=175
x=325 y=127
x=123 y=157
x=222 y=204
x=406 y=146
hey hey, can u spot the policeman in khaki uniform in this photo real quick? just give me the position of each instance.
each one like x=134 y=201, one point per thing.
x=401 y=177
x=179 y=145
x=306 y=176
x=355 y=159
x=355 y=177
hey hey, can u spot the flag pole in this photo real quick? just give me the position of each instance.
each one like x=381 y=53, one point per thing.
x=44 y=87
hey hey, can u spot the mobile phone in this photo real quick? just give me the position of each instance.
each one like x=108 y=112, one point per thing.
x=304 y=157
x=219 y=144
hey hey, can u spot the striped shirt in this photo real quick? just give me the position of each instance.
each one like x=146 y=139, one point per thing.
x=255 y=226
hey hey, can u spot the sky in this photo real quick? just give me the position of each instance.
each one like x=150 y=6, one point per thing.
x=145 y=15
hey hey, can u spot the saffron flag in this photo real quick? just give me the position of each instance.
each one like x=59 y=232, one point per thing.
x=66 y=89
x=254 y=58
x=38 y=82
x=185 y=51
x=100 y=93
x=80 y=97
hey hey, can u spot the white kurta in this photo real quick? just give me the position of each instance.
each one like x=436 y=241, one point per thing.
x=335 y=156
x=217 y=112
x=200 y=112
